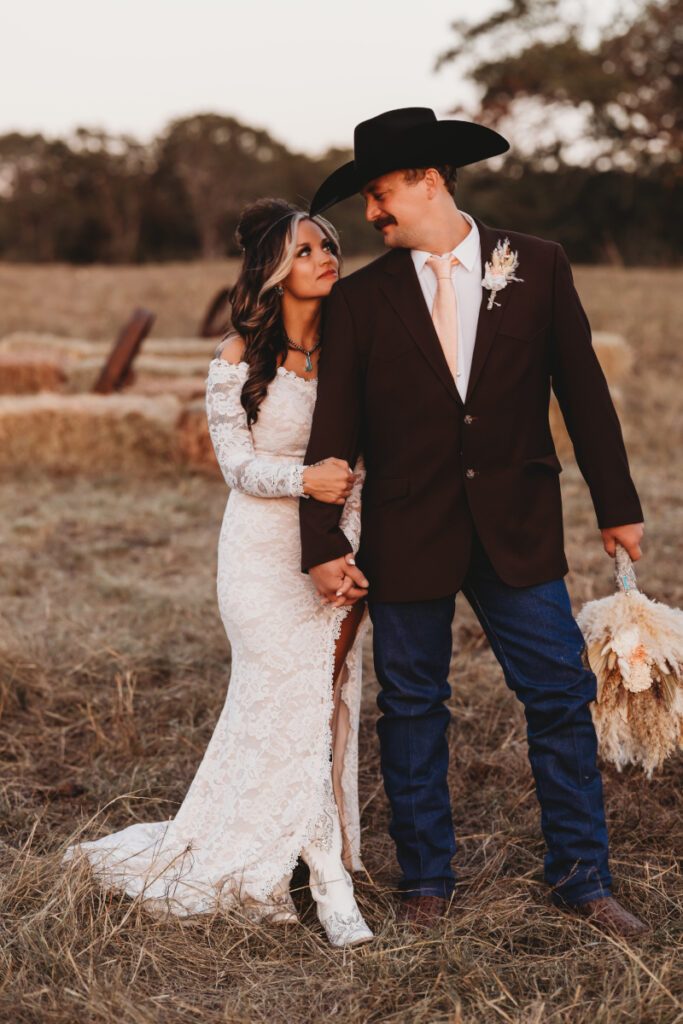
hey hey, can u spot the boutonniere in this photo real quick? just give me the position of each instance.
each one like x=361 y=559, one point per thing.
x=500 y=270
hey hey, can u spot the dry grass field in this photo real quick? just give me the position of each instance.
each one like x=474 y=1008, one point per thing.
x=113 y=669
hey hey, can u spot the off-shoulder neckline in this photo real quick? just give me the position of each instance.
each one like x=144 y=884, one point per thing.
x=281 y=370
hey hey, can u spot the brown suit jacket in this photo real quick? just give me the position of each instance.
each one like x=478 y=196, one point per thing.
x=438 y=467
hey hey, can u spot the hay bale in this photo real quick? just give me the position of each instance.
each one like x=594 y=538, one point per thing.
x=194 y=441
x=615 y=355
x=187 y=389
x=83 y=348
x=616 y=359
x=53 y=344
x=91 y=434
x=149 y=377
x=23 y=373
x=81 y=374
x=563 y=444
x=169 y=370
x=190 y=348
x=172 y=366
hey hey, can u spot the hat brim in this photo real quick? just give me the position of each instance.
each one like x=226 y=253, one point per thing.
x=457 y=143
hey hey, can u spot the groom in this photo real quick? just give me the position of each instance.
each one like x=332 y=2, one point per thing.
x=444 y=386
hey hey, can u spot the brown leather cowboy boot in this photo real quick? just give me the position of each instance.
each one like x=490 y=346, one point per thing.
x=423 y=911
x=608 y=914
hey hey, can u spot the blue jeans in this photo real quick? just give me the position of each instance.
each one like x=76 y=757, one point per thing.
x=538 y=644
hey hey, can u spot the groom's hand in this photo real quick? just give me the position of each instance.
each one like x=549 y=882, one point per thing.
x=339 y=582
x=628 y=536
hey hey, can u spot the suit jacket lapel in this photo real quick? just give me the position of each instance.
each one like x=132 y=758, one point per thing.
x=489 y=319
x=403 y=290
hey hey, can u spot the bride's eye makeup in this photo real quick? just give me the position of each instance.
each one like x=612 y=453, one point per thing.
x=328 y=245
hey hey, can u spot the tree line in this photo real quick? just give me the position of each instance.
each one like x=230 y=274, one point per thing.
x=612 y=193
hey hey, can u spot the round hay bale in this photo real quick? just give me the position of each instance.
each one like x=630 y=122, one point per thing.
x=90 y=434
x=614 y=354
x=24 y=373
x=616 y=358
x=563 y=444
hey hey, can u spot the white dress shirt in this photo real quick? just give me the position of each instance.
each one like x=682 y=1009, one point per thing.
x=466 y=277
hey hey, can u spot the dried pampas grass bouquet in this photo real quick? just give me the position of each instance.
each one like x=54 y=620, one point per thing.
x=634 y=646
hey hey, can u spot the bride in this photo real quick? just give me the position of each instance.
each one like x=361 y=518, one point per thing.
x=278 y=780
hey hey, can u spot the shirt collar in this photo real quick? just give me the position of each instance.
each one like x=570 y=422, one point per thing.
x=467 y=251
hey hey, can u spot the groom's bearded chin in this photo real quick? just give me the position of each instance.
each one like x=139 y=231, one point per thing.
x=382 y=222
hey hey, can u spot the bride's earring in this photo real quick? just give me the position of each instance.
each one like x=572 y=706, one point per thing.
x=280 y=290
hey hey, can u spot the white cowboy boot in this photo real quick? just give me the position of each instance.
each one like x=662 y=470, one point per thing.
x=331 y=885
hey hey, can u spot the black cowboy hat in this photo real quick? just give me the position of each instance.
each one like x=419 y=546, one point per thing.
x=403 y=138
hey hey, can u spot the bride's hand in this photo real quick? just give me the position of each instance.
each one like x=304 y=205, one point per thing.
x=330 y=481
x=339 y=582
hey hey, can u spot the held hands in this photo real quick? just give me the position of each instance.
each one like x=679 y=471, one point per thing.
x=339 y=582
x=330 y=481
x=628 y=536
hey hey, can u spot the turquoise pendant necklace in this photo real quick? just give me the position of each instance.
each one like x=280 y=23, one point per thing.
x=308 y=352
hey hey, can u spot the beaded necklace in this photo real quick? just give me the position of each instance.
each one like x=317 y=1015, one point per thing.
x=308 y=352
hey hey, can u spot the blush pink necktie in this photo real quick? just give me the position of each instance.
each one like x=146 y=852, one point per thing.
x=445 y=310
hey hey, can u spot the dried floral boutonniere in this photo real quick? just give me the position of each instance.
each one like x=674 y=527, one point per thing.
x=500 y=270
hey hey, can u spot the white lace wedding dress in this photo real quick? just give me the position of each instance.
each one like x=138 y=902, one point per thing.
x=262 y=790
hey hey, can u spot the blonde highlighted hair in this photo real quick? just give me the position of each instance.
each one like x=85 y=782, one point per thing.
x=267 y=233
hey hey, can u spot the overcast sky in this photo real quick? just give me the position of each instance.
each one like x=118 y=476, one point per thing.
x=306 y=70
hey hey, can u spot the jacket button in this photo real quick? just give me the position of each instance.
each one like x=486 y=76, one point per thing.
x=470 y=473
x=469 y=419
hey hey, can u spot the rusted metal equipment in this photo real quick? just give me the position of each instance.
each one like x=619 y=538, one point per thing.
x=118 y=368
x=216 y=319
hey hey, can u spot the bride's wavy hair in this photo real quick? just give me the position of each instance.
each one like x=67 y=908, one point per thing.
x=267 y=235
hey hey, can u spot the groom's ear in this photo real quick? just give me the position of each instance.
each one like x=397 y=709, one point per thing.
x=433 y=182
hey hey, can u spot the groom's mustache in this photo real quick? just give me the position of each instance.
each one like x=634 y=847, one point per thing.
x=383 y=222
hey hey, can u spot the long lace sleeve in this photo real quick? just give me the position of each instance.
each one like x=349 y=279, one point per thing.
x=242 y=468
x=350 y=517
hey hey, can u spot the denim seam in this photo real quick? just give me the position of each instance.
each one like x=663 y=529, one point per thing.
x=480 y=612
x=412 y=795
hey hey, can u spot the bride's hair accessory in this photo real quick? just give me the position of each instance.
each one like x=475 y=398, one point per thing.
x=500 y=270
